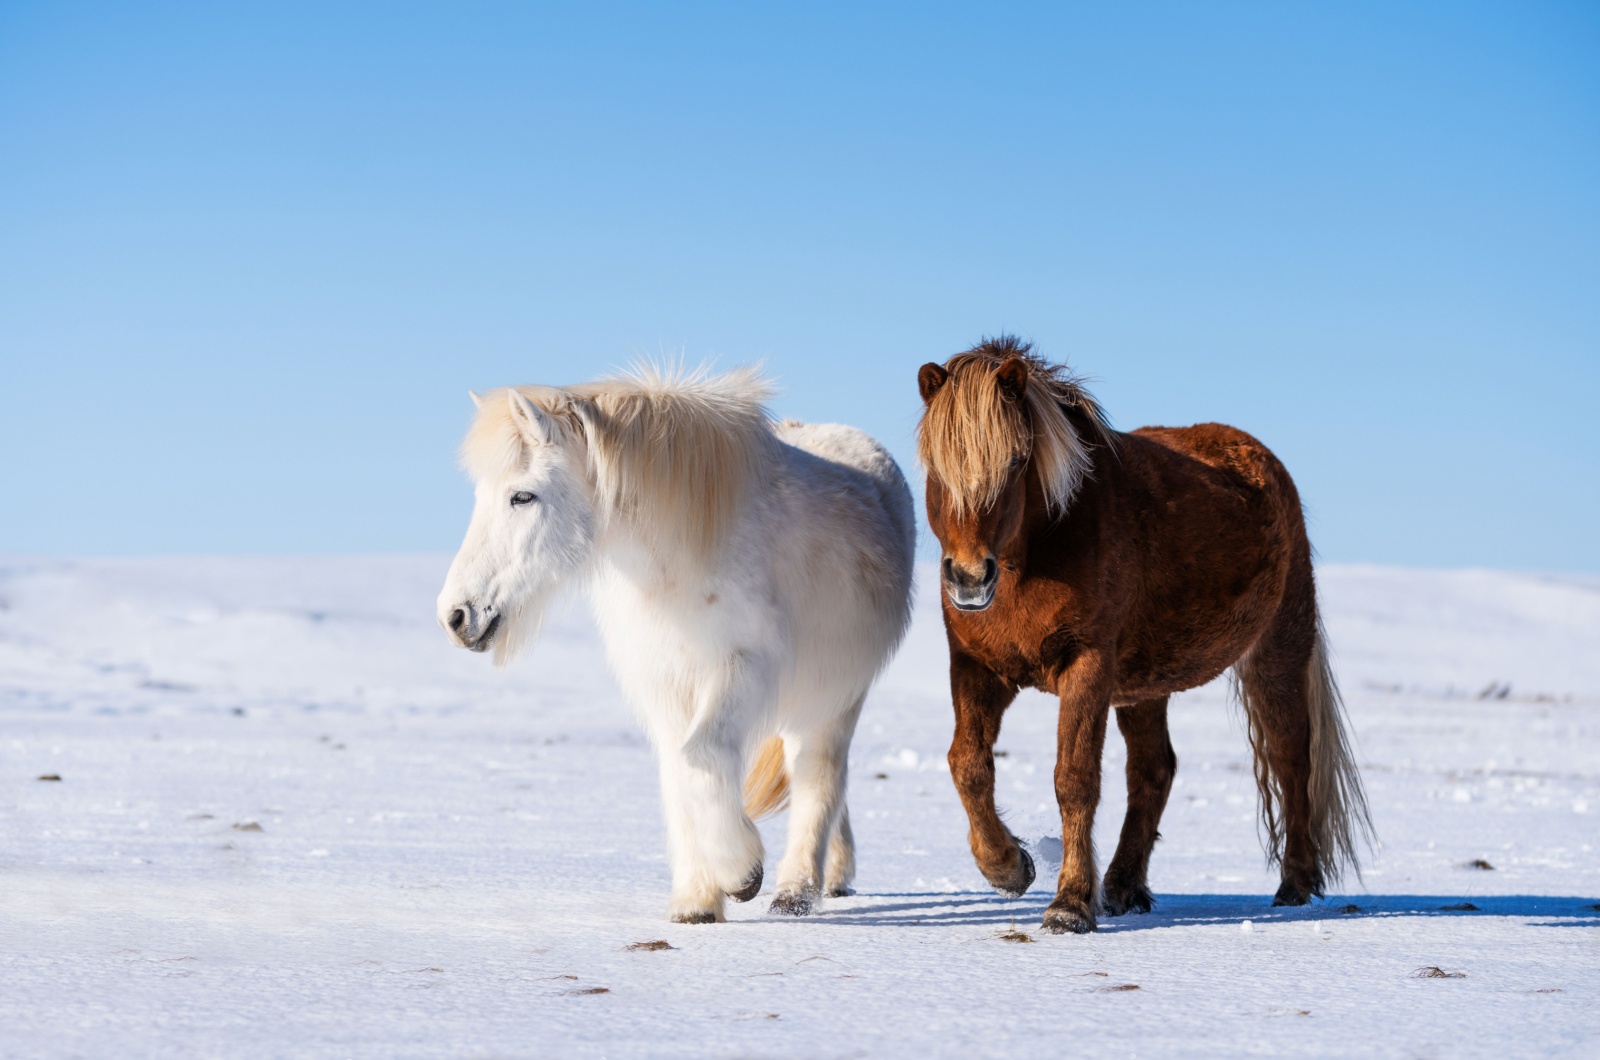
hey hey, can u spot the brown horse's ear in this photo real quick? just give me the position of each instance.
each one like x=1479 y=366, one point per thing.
x=930 y=377
x=1012 y=376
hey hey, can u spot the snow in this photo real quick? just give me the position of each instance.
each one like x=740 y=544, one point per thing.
x=292 y=821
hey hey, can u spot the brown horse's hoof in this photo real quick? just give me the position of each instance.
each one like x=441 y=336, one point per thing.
x=751 y=887
x=790 y=904
x=1292 y=894
x=702 y=917
x=1068 y=918
x=1117 y=898
x=1020 y=881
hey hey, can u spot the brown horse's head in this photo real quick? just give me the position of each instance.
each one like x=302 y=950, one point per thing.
x=995 y=420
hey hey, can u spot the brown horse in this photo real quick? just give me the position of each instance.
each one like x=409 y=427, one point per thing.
x=1113 y=570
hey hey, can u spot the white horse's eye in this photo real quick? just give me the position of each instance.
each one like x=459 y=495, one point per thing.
x=522 y=497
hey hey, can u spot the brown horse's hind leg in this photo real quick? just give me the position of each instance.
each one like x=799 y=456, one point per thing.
x=1151 y=767
x=1273 y=682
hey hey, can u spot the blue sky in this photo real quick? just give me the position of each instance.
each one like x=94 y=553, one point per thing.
x=253 y=256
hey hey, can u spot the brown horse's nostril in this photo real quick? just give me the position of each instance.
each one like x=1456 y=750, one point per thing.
x=457 y=617
x=959 y=576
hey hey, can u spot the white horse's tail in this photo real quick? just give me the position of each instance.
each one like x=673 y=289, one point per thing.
x=766 y=786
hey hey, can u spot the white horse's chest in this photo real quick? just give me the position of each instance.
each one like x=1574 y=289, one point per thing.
x=639 y=621
x=665 y=639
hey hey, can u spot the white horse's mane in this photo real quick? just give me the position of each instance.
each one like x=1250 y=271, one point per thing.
x=673 y=452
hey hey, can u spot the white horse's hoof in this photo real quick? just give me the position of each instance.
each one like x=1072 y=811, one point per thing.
x=695 y=916
x=752 y=886
x=791 y=903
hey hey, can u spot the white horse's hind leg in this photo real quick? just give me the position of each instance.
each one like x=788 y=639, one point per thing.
x=817 y=776
x=841 y=865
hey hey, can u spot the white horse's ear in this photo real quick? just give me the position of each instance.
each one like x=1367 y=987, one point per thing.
x=477 y=402
x=537 y=426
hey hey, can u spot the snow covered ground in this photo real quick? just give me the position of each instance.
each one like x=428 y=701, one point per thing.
x=291 y=820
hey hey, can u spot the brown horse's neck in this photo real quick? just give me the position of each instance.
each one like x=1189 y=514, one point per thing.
x=1039 y=534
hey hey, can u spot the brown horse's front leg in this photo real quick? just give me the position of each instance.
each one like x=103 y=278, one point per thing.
x=1080 y=737
x=981 y=698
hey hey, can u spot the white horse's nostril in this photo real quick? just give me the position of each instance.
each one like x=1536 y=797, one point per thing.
x=457 y=617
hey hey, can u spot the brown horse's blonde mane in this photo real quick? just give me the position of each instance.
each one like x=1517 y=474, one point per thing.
x=670 y=451
x=971 y=431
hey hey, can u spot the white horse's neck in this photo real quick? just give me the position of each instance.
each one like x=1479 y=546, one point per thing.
x=634 y=557
x=666 y=604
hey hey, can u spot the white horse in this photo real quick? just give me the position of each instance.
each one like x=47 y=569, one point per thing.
x=750 y=581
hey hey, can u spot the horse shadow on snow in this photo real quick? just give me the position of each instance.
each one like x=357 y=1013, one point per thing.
x=974 y=908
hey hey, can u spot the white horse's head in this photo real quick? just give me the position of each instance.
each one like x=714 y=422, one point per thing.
x=533 y=522
x=663 y=456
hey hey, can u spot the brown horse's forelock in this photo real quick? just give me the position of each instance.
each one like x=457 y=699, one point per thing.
x=971 y=430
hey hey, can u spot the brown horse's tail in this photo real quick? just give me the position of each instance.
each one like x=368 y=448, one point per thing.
x=766 y=786
x=1339 y=811
x=1339 y=818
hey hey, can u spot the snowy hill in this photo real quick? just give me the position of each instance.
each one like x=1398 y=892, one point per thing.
x=291 y=820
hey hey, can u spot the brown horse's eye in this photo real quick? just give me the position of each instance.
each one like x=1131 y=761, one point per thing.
x=1016 y=461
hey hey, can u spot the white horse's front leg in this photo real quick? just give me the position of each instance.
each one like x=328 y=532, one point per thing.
x=726 y=846
x=696 y=897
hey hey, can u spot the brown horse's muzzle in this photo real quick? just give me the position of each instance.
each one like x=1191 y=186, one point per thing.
x=970 y=588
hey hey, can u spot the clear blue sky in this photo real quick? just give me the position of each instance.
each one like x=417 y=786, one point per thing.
x=252 y=256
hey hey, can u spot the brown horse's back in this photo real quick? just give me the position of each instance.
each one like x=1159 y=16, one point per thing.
x=1212 y=521
x=1241 y=456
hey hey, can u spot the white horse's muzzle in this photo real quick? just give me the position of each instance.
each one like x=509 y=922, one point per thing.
x=470 y=626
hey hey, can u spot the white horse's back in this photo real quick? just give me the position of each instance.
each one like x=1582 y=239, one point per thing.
x=848 y=541
x=856 y=450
